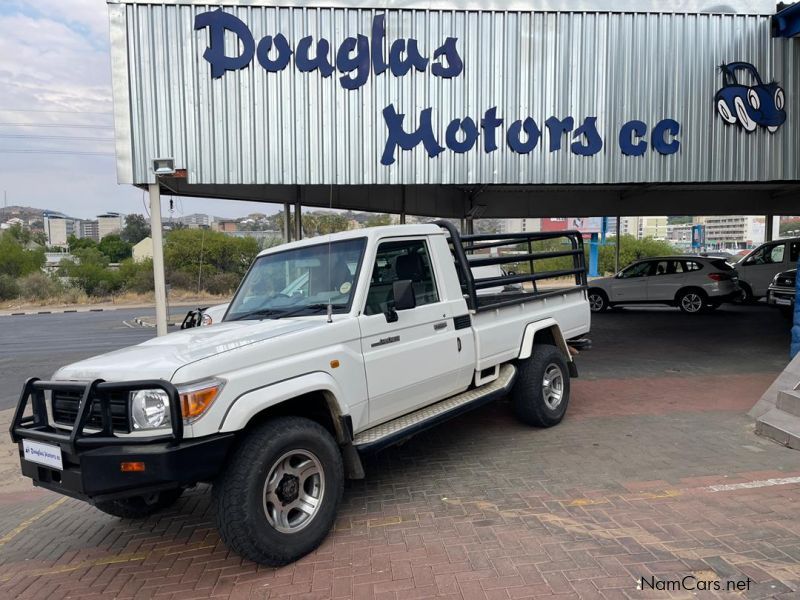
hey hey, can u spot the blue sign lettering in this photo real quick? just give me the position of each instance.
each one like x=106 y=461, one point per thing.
x=357 y=57
x=403 y=53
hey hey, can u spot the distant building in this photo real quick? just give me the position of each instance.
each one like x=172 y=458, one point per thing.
x=523 y=225
x=88 y=229
x=58 y=228
x=226 y=226
x=196 y=220
x=109 y=223
x=143 y=250
x=642 y=227
x=735 y=232
x=680 y=235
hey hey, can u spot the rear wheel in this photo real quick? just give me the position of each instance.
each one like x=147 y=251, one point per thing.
x=278 y=498
x=598 y=301
x=138 y=507
x=541 y=391
x=692 y=301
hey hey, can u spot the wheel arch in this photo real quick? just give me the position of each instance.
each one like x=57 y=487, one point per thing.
x=546 y=331
x=315 y=396
x=690 y=288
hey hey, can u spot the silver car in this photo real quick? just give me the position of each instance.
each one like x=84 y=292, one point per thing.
x=692 y=283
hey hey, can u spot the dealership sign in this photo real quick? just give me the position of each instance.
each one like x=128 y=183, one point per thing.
x=358 y=58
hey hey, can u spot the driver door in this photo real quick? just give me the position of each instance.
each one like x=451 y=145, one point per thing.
x=631 y=284
x=417 y=359
x=758 y=269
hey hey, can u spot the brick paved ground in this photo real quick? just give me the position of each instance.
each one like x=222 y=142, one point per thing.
x=483 y=508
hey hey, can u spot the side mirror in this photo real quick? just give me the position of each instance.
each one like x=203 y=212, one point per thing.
x=404 y=296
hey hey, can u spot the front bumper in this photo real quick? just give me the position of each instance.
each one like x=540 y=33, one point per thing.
x=95 y=475
x=781 y=296
x=91 y=462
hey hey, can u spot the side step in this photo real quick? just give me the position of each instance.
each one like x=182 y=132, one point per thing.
x=405 y=426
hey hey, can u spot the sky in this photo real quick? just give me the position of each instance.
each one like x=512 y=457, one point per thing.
x=56 y=122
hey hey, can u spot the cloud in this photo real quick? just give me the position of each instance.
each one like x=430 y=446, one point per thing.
x=55 y=66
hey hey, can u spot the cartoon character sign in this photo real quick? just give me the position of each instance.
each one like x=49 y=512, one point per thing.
x=760 y=104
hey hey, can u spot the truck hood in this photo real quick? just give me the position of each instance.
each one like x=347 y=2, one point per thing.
x=160 y=357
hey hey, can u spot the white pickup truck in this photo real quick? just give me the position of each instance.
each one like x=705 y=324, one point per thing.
x=384 y=332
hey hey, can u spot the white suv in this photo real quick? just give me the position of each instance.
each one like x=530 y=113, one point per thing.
x=692 y=283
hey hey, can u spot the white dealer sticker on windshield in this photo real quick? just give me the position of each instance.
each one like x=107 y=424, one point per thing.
x=44 y=454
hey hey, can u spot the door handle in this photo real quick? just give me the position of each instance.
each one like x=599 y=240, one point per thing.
x=439 y=326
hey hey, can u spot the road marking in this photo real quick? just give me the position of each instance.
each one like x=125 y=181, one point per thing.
x=28 y=522
x=749 y=485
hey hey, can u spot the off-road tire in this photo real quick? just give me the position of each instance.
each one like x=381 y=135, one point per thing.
x=239 y=493
x=528 y=395
x=139 y=507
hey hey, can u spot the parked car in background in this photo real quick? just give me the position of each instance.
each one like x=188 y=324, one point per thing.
x=692 y=283
x=759 y=267
x=782 y=291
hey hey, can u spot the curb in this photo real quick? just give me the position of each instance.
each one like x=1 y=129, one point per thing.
x=142 y=323
x=59 y=312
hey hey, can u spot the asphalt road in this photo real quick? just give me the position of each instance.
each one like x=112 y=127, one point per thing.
x=37 y=345
x=630 y=342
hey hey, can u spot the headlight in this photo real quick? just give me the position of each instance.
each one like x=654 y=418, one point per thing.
x=753 y=98
x=150 y=409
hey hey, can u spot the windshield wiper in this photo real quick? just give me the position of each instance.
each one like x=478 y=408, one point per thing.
x=281 y=313
x=314 y=308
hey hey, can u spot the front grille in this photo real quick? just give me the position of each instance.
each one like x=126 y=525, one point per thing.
x=65 y=410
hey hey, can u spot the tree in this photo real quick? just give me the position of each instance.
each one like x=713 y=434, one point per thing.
x=76 y=243
x=200 y=253
x=379 y=219
x=15 y=259
x=115 y=248
x=89 y=270
x=135 y=230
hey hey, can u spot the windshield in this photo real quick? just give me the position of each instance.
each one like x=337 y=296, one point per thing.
x=300 y=281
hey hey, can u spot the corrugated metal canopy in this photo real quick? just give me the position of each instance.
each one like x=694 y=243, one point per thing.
x=649 y=74
x=518 y=201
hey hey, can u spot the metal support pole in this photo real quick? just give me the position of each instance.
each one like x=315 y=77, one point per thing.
x=298 y=219
x=463 y=227
x=616 y=251
x=470 y=225
x=594 y=255
x=287 y=222
x=159 y=277
x=768 y=232
x=403 y=207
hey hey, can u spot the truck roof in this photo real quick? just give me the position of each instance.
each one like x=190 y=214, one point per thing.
x=368 y=232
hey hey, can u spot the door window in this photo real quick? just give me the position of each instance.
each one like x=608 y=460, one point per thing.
x=690 y=265
x=768 y=255
x=636 y=270
x=668 y=267
x=396 y=261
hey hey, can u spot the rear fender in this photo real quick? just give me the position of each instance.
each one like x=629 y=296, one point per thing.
x=539 y=327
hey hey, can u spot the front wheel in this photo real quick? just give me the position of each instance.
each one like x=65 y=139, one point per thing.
x=598 y=301
x=139 y=507
x=278 y=498
x=541 y=391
